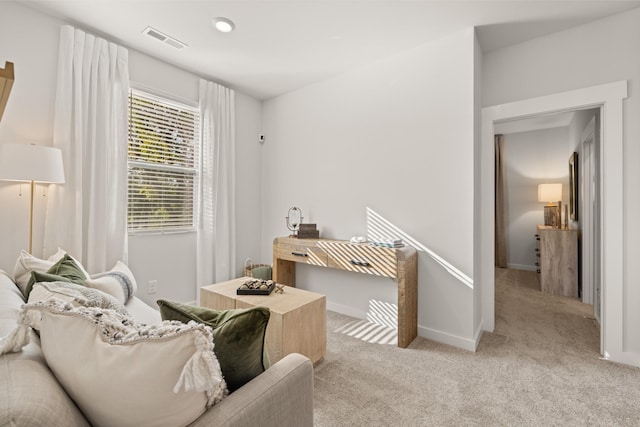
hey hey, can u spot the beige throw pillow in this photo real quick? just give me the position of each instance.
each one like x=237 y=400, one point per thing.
x=27 y=263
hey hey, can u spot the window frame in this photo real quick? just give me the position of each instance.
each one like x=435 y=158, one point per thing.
x=158 y=227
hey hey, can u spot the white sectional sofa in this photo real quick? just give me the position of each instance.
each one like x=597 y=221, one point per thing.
x=30 y=394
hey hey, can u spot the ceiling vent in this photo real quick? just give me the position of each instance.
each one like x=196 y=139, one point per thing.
x=158 y=35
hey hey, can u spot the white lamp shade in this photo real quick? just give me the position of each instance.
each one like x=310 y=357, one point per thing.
x=28 y=162
x=549 y=192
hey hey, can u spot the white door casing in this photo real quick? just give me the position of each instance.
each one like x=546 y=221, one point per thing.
x=586 y=216
x=610 y=98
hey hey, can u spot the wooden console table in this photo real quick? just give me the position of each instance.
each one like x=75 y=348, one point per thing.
x=400 y=264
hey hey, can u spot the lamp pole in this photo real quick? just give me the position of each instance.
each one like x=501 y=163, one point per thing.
x=33 y=185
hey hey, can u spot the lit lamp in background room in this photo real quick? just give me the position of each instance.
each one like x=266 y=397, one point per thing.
x=34 y=164
x=552 y=195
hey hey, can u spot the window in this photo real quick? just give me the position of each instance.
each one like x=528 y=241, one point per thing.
x=164 y=140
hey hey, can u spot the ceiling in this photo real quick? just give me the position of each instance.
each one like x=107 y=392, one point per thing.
x=280 y=46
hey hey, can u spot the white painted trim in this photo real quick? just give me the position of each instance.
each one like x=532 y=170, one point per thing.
x=476 y=337
x=450 y=339
x=610 y=96
x=522 y=267
x=346 y=310
x=586 y=220
x=428 y=333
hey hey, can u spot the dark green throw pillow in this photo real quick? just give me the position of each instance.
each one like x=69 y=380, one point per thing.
x=65 y=270
x=238 y=337
x=68 y=268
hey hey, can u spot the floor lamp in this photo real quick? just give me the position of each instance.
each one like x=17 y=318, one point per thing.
x=31 y=163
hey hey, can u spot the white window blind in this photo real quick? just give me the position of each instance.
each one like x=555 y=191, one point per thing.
x=163 y=164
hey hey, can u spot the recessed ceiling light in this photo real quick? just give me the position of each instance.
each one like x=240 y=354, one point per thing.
x=224 y=25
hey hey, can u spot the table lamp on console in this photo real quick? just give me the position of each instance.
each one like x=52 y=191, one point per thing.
x=552 y=195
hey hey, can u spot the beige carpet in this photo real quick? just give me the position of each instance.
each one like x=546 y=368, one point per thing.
x=540 y=367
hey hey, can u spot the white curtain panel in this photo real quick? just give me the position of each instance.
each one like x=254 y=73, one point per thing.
x=216 y=253
x=87 y=216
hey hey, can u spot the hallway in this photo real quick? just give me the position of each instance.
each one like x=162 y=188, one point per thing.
x=538 y=320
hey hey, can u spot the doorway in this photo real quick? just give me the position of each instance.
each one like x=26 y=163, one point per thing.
x=543 y=149
x=610 y=98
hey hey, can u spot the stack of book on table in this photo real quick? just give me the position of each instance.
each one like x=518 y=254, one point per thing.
x=388 y=243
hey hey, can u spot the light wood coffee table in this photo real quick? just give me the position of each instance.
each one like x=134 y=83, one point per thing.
x=297 y=323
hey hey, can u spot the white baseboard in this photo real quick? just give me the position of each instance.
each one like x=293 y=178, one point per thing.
x=477 y=336
x=432 y=334
x=346 y=310
x=450 y=339
x=626 y=357
x=522 y=267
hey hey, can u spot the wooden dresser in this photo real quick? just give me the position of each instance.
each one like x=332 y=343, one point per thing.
x=400 y=264
x=557 y=252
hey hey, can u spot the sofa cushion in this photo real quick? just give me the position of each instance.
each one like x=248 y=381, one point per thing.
x=238 y=336
x=117 y=282
x=143 y=312
x=29 y=393
x=123 y=373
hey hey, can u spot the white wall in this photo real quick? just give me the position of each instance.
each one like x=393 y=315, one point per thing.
x=248 y=181
x=30 y=40
x=397 y=137
x=600 y=52
x=531 y=158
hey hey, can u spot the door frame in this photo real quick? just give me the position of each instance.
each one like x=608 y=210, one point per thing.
x=610 y=98
x=587 y=219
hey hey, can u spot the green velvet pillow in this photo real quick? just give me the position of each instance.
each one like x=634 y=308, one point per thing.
x=238 y=337
x=64 y=273
x=68 y=267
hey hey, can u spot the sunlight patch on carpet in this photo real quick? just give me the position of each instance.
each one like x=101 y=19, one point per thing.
x=383 y=313
x=380 y=327
x=370 y=332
